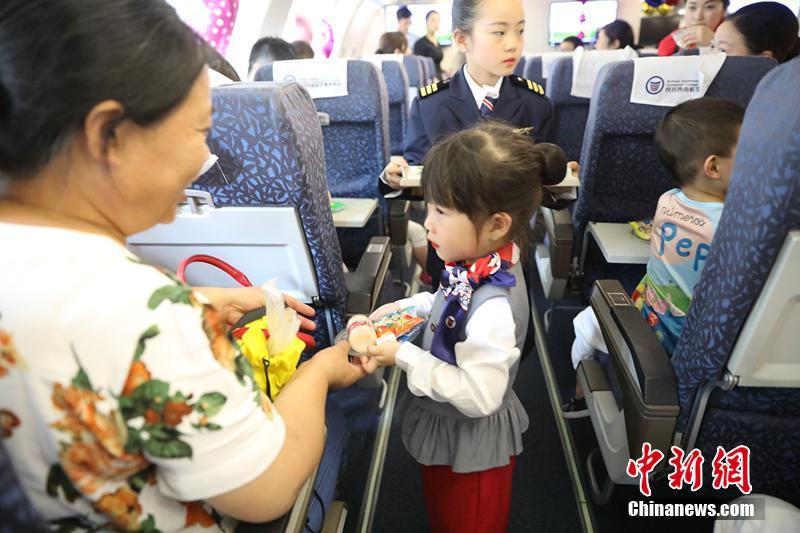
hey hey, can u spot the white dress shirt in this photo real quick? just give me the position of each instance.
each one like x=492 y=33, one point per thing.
x=479 y=92
x=477 y=384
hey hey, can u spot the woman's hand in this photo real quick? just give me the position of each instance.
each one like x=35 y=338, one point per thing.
x=699 y=35
x=339 y=372
x=235 y=302
x=703 y=35
x=305 y=312
x=394 y=172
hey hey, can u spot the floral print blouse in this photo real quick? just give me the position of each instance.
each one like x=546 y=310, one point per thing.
x=122 y=402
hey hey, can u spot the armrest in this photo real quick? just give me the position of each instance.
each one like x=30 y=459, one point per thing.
x=649 y=385
x=399 y=214
x=558 y=224
x=364 y=285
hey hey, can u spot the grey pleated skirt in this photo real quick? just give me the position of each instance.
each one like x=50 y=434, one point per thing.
x=436 y=433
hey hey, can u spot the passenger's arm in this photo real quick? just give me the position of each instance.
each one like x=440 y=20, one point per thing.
x=301 y=404
x=477 y=384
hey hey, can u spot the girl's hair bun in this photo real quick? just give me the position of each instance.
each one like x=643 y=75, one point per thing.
x=554 y=163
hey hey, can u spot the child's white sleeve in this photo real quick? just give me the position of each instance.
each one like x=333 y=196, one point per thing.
x=477 y=384
x=422 y=302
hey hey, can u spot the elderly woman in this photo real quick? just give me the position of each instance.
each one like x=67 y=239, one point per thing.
x=122 y=403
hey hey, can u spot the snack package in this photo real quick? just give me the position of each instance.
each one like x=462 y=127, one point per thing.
x=404 y=324
x=401 y=325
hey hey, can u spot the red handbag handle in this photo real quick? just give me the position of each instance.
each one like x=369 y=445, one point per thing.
x=213 y=261
x=241 y=279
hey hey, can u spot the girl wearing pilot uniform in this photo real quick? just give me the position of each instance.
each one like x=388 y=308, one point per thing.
x=490 y=34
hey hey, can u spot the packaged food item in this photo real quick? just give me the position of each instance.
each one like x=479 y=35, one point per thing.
x=404 y=324
x=642 y=228
x=360 y=333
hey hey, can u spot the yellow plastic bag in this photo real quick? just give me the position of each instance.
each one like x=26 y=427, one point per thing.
x=271 y=371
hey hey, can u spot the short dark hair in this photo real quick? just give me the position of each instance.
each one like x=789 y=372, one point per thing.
x=403 y=13
x=269 y=50
x=694 y=130
x=391 y=41
x=621 y=31
x=302 y=50
x=491 y=168
x=768 y=26
x=60 y=58
x=429 y=13
x=574 y=40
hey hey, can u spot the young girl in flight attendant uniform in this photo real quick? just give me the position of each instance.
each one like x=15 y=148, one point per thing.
x=490 y=34
x=464 y=425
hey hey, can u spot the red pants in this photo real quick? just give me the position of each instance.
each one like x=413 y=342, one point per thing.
x=477 y=502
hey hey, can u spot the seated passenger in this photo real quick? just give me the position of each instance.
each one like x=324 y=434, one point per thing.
x=766 y=28
x=302 y=50
x=130 y=407
x=701 y=19
x=570 y=44
x=614 y=36
x=268 y=50
x=393 y=42
x=696 y=142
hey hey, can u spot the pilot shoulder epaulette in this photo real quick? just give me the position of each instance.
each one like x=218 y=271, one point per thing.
x=433 y=87
x=532 y=86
